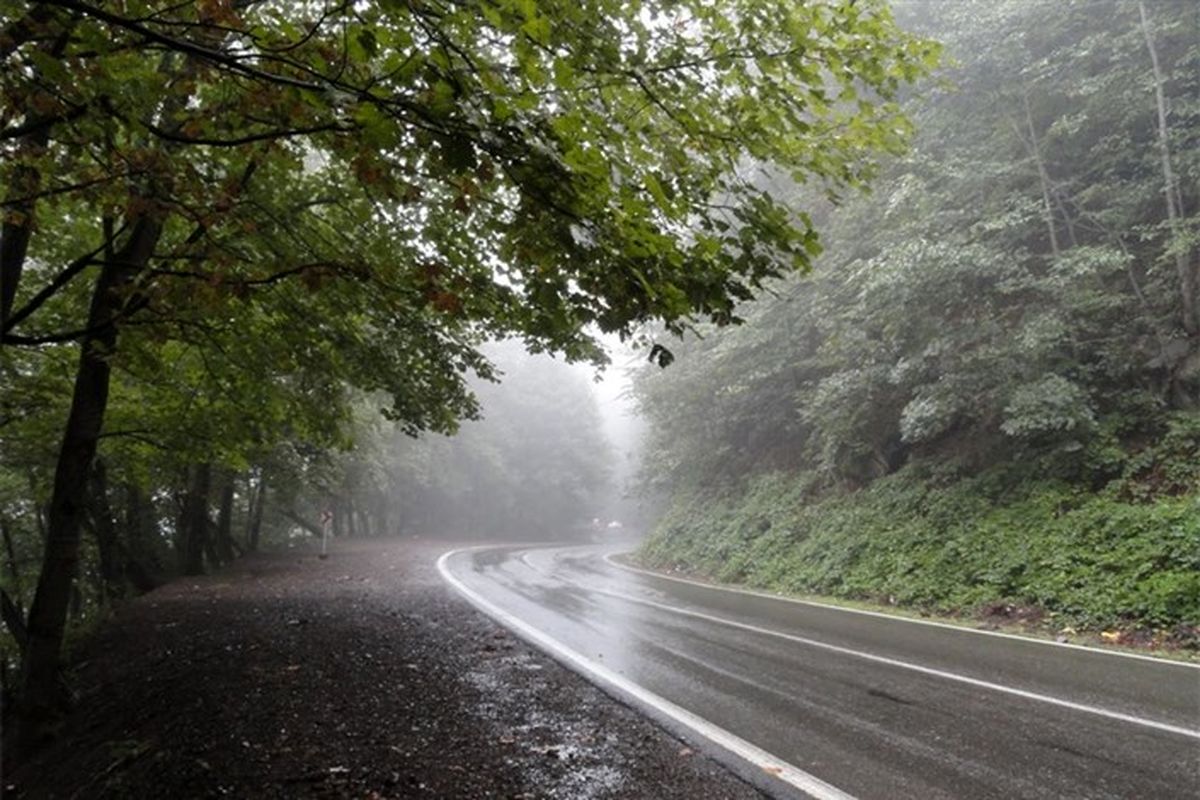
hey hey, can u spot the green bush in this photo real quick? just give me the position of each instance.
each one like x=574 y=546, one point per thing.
x=1093 y=559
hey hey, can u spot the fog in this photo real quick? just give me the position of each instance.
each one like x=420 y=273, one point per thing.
x=553 y=455
x=623 y=429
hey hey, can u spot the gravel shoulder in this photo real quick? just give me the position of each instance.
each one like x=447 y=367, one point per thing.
x=360 y=676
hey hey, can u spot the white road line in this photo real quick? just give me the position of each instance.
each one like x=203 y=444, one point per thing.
x=893 y=662
x=770 y=764
x=608 y=557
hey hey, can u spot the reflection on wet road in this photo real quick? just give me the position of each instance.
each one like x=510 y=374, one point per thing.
x=877 y=707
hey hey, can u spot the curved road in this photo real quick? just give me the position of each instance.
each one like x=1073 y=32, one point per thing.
x=850 y=704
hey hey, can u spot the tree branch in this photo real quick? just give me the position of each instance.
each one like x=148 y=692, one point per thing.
x=249 y=138
x=14 y=620
x=60 y=280
x=36 y=124
x=79 y=333
x=23 y=30
x=184 y=46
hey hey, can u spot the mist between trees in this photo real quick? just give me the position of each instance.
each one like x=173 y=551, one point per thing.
x=985 y=396
x=535 y=467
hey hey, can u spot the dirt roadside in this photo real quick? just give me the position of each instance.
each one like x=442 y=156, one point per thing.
x=360 y=676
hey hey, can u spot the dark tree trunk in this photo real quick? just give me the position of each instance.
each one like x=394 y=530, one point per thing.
x=41 y=692
x=193 y=522
x=39 y=509
x=382 y=516
x=14 y=238
x=254 y=533
x=211 y=556
x=10 y=553
x=76 y=605
x=19 y=222
x=14 y=619
x=225 y=522
x=339 y=517
x=105 y=530
x=142 y=561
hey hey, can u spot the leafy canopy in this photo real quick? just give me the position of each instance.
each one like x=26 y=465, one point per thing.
x=440 y=171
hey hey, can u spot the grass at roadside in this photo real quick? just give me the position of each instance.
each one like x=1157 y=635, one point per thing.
x=1046 y=559
x=1123 y=642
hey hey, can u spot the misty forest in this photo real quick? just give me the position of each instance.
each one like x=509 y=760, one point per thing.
x=986 y=391
x=892 y=305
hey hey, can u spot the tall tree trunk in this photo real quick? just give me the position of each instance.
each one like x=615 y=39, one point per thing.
x=76 y=605
x=211 y=556
x=1035 y=151
x=1063 y=202
x=41 y=693
x=39 y=508
x=105 y=530
x=225 y=521
x=10 y=553
x=382 y=517
x=142 y=561
x=194 y=520
x=254 y=531
x=14 y=619
x=1184 y=269
x=15 y=233
x=20 y=203
x=339 y=517
x=10 y=608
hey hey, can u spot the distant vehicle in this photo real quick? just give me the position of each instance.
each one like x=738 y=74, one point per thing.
x=614 y=525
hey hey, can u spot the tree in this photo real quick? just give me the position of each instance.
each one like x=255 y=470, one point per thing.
x=1013 y=289
x=429 y=173
x=988 y=391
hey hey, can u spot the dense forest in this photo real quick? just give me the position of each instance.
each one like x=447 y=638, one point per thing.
x=987 y=393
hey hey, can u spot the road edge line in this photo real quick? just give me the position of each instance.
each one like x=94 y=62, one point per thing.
x=1120 y=716
x=608 y=558
x=764 y=761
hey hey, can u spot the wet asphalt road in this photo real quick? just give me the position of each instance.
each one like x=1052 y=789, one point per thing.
x=876 y=707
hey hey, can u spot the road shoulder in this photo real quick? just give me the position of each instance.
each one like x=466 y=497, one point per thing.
x=358 y=676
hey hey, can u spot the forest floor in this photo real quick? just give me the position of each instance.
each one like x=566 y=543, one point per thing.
x=362 y=676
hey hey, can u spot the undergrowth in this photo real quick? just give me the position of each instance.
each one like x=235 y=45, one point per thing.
x=1092 y=559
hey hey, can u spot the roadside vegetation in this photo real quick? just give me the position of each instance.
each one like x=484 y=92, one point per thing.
x=1046 y=553
x=984 y=399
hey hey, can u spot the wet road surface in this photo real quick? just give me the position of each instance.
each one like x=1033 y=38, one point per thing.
x=873 y=706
